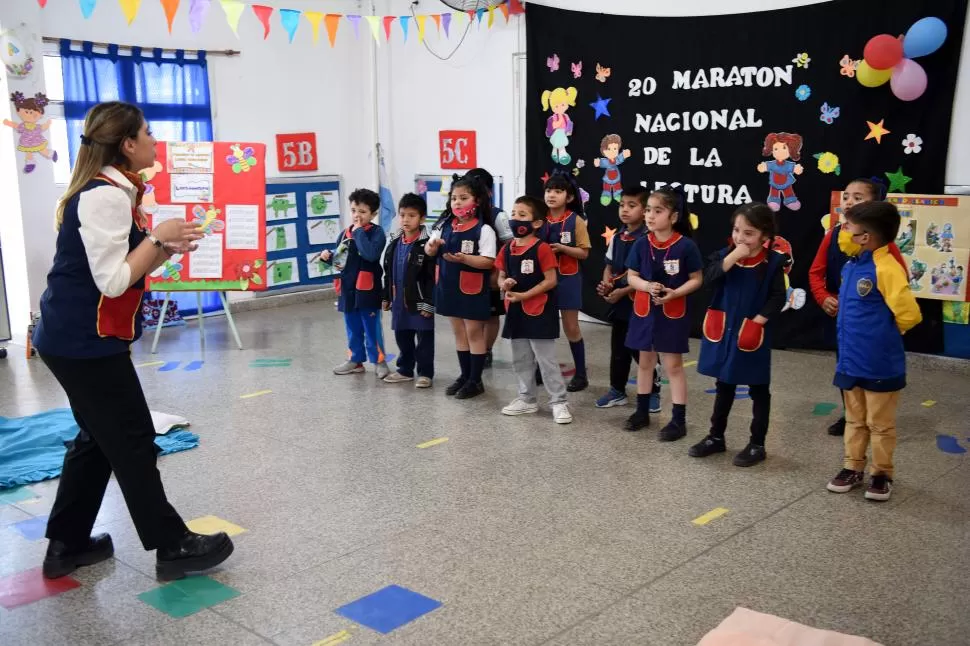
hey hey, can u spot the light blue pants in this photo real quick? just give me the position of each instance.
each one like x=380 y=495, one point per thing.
x=364 y=332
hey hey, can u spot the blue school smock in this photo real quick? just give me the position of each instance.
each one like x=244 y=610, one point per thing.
x=538 y=317
x=735 y=349
x=670 y=263
x=569 y=289
x=462 y=291
x=622 y=245
x=359 y=285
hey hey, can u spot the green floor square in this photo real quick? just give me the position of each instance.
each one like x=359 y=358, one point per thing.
x=19 y=494
x=188 y=596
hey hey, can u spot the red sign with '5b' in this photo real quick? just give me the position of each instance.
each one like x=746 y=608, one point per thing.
x=458 y=149
x=296 y=152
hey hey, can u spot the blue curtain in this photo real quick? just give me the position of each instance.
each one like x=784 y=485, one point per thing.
x=172 y=92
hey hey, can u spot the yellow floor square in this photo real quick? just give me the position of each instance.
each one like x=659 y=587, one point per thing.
x=212 y=525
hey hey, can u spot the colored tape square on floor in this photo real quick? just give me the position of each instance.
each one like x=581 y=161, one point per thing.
x=188 y=596
x=30 y=586
x=388 y=608
x=18 y=494
x=213 y=525
x=33 y=529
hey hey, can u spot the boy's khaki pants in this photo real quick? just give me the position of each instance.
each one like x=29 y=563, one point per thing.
x=870 y=418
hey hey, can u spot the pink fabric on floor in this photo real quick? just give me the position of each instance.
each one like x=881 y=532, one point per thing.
x=749 y=628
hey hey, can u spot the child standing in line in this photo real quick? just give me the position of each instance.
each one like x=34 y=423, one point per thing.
x=749 y=291
x=664 y=268
x=527 y=273
x=876 y=307
x=464 y=245
x=615 y=290
x=359 y=285
x=826 y=270
x=568 y=237
x=409 y=294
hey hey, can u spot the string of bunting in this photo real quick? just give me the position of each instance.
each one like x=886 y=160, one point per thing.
x=290 y=18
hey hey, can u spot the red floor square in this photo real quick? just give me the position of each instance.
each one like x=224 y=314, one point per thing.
x=30 y=586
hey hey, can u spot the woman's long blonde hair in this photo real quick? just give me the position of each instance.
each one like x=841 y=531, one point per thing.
x=106 y=127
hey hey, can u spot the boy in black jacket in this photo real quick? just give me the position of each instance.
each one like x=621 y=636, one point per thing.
x=409 y=294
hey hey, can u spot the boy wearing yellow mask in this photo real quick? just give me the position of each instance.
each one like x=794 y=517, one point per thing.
x=876 y=307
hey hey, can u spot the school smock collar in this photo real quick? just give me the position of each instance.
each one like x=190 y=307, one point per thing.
x=121 y=180
x=458 y=225
x=628 y=235
x=518 y=251
x=753 y=262
x=565 y=216
x=666 y=244
x=416 y=237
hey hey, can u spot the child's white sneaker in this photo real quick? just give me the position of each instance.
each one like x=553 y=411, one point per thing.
x=348 y=368
x=382 y=370
x=397 y=378
x=560 y=413
x=520 y=407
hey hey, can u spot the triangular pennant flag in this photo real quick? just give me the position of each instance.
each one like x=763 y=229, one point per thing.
x=333 y=23
x=130 y=7
x=290 y=19
x=458 y=16
x=233 y=10
x=437 y=21
x=198 y=9
x=87 y=6
x=404 y=26
x=421 y=20
x=314 y=17
x=446 y=22
x=504 y=8
x=170 y=7
x=515 y=7
x=388 y=21
x=471 y=15
x=375 y=27
x=42 y=3
x=263 y=13
x=491 y=15
x=355 y=21
x=478 y=14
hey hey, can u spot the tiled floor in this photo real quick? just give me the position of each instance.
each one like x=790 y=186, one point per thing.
x=527 y=532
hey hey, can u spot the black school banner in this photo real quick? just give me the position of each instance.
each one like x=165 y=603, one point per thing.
x=702 y=102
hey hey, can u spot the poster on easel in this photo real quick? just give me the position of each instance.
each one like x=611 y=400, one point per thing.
x=221 y=186
x=934 y=238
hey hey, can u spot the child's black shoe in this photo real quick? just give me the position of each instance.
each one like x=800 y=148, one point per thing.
x=470 y=389
x=455 y=386
x=577 y=383
x=838 y=428
x=637 y=421
x=750 y=455
x=672 y=431
x=708 y=446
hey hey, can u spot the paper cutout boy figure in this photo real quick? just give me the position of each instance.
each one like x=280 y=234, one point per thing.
x=610 y=163
x=31 y=131
x=785 y=149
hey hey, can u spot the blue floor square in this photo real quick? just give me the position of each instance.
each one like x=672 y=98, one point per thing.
x=33 y=529
x=388 y=609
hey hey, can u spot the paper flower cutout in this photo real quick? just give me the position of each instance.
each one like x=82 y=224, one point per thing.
x=848 y=66
x=828 y=163
x=912 y=144
x=802 y=60
x=803 y=92
x=829 y=113
x=583 y=195
x=580 y=163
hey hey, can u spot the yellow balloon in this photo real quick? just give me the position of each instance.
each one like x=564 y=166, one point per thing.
x=870 y=77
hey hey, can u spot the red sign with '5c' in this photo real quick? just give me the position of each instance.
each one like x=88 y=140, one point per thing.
x=296 y=152
x=458 y=149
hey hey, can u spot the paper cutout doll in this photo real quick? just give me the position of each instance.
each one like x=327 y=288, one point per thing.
x=31 y=131
x=906 y=240
x=946 y=238
x=917 y=269
x=933 y=235
x=785 y=149
x=149 y=201
x=795 y=297
x=559 y=127
x=610 y=163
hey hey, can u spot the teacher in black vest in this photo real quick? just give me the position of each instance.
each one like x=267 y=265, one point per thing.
x=90 y=315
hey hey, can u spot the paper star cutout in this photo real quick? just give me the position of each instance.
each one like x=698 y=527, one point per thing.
x=600 y=105
x=545 y=178
x=876 y=131
x=898 y=180
x=608 y=234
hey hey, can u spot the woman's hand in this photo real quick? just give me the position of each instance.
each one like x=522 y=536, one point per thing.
x=177 y=231
x=172 y=248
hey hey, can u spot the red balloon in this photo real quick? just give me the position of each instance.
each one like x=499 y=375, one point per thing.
x=883 y=52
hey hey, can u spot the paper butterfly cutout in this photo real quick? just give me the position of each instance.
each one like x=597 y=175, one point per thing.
x=602 y=73
x=577 y=69
x=553 y=63
x=829 y=114
x=848 y=66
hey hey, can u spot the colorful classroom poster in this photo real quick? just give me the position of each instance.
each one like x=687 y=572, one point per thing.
x=281 y=206
x=934 y=237
x=323 y=231
x=321 y=204
x=228 y=205
x=282 y=272
x=280 y=237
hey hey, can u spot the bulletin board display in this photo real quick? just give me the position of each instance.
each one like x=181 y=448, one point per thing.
x=303 y=219
x=934 y=238
x=434 y=189
x=221 y=187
